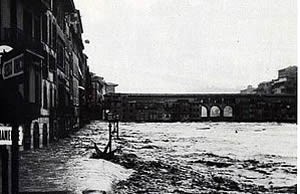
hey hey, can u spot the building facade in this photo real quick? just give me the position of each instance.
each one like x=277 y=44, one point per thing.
x=286 y=83
x=264 y=88
x=46 y=86
x=45 y=64
x=46 y=67
x=99 y=88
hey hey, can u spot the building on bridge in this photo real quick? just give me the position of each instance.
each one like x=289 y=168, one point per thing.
x=264 y=88
x=286 y=83
x=110 y=87
x=248 y=90
x=202 y=107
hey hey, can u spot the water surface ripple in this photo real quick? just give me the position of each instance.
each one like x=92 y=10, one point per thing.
x=171 y=158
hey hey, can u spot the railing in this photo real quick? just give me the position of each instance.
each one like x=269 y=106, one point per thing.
x=5 y=135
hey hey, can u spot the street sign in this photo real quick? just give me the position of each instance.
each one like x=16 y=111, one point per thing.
x=5 y=135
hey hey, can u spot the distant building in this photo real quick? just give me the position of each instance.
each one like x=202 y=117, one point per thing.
x=110 y=87
x=290 y=72
x=96 y=94
x=286 y=82
x=99 y=87
x=264 y=88
x=248 y=90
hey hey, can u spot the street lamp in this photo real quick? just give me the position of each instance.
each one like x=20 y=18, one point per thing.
x=4 y=49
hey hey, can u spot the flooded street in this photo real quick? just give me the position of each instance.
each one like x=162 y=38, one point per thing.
x=66 y=165
x=169 y=158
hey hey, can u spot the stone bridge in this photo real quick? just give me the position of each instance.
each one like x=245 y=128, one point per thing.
x=203 y=107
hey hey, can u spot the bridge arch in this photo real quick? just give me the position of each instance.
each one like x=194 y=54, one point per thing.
x=215 y=111
x=228 y=111
x=204 y=111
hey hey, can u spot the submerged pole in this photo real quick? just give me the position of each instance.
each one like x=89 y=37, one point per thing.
x=117 y=129
x=109 y=136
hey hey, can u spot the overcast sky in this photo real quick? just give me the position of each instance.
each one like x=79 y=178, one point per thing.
x=189 y=45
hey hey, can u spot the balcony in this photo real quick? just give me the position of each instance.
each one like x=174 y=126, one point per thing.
x=17 y=38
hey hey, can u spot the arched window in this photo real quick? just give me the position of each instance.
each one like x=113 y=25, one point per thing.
x=228 y=111
x=215 y=111
x=203 y=111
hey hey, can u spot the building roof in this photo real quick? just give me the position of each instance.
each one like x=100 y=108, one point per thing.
x=289 y=67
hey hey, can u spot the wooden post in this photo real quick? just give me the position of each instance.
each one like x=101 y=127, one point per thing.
x=15 y=159
x=109 y=136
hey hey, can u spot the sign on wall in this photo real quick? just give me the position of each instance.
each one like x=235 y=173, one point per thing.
x=5 y=135
x=13 y=67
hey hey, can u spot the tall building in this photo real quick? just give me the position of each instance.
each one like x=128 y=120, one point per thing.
x=45 y=65
x=110 y=87
x=43 y=73
x=286 y=83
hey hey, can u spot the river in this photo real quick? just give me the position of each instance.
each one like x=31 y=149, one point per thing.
x=169 y=158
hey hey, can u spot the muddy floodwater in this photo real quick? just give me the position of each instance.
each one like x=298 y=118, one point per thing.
x=169 y=158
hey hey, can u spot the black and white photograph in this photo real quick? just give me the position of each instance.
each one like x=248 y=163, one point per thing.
x=148 y=96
